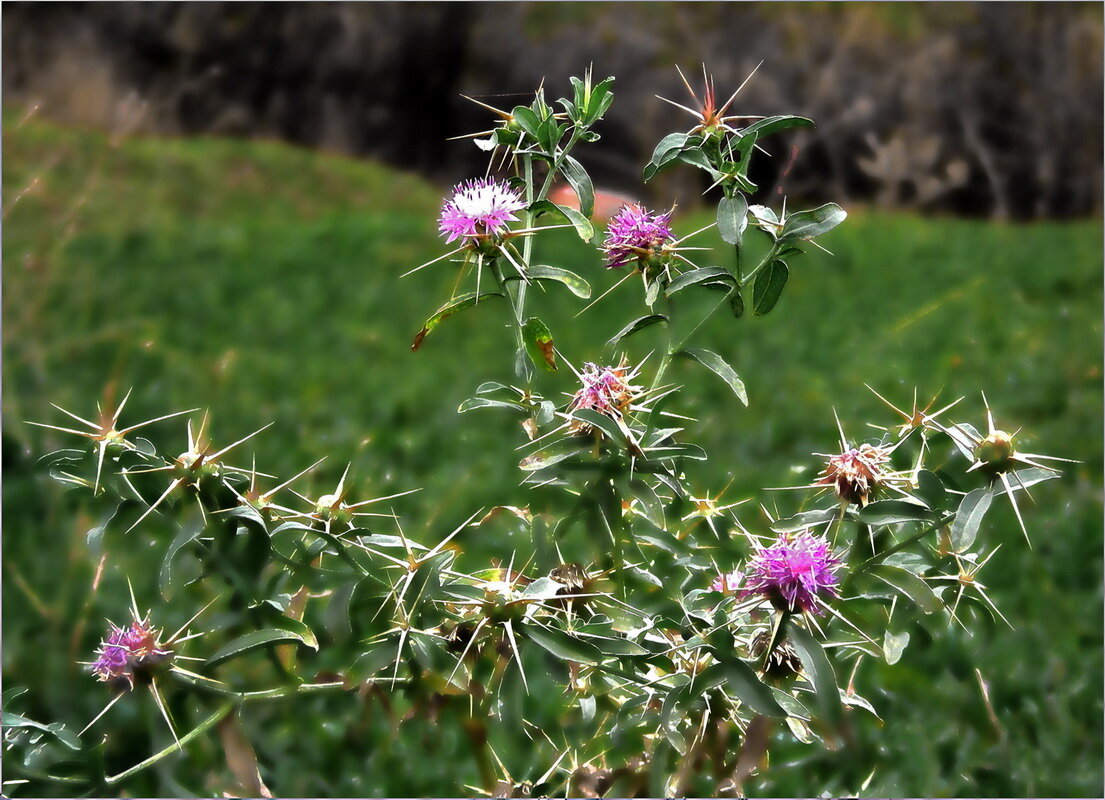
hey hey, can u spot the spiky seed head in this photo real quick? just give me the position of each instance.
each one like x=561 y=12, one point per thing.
x=856 y=473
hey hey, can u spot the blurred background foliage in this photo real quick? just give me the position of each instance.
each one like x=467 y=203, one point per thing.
x=216 y=267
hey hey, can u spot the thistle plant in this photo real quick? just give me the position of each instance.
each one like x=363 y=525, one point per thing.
x=610 y=605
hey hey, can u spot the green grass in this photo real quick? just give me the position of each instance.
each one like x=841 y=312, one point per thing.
x=262 y=281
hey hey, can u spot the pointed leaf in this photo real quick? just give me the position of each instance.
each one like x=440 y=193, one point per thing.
x=702 y=276
x=804 y=225
x=452 y=307
x=562 y=645
x=892 y=646
x=930 y=489
x=742 y=681
x=819 y=670
x=910 y=585
x=732 y=218
x=580 y=181
x=893 y=512
x=716 y=364
x=541 y=272
x=636 y=325
x=539 y=344
x=972 y=509
x=253 y=641
x=770 y=125
x=768 y=286
x=805 y=519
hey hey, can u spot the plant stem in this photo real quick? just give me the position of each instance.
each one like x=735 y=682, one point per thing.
x=878 y=558
x=189 y=737
x=289 y=691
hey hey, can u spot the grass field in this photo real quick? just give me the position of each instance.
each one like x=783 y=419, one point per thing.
x=263 y=281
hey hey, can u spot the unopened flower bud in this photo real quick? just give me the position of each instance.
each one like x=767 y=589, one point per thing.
x=995 y=450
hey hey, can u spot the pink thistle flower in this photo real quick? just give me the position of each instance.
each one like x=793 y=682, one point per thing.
x=793 y=572
x=479 y=208
x=605 y=389
x=856 y=472
x=727 y=582
x=125 y=650
x=635 y=234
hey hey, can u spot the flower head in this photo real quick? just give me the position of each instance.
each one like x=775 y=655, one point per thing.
x=635 y=234
x=605 y=389
x=856 y=472
x=479 y=208
x=126 y=650
x=793 y=571
x=728 y=582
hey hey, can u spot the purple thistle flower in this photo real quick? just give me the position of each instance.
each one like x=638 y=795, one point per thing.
x=478 y=208
x=634 y=234
x=605 y=389
x=113 y=656
x=793 y=571
x=728 y=582
x=126 y=649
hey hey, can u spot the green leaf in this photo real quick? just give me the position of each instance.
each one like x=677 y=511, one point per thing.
x=716 y=364
x=893 y=512
x=818 y=669
x=736 y=303
x=892 y=646
x=584 y=229
x=768 y=286
x=561 y=644
x=930 y=489
x=908 y=584
x=636 y=325
x=804 y=519
x=254 y=640
x=732 y=218
x=452 y=307
x=553 y=454
x=473 y=403
x=188 y=533
x=702 y=276
x=770 y=125
x=1023 y=478
x=540 y=272
x=528 y=121
x=665 y=152
x=539 y=344
x=610 y=429
x=579 y=180
x=741 y=680
x=11 y=694
x=804 y=225
x=972 y=509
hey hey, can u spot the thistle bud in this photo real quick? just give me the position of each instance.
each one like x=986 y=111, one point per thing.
x=331 y=509
x=996 y=450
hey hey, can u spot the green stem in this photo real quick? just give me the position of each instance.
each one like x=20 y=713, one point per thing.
x=763 y=263
x=188 y=738
x=290 y=691
x=875 y=560
x=778 y=632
